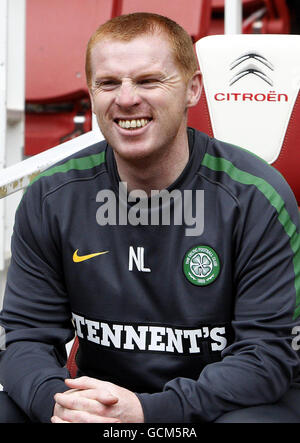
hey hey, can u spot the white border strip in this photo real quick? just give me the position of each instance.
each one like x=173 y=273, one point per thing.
x=19 y=176
x=233 y=17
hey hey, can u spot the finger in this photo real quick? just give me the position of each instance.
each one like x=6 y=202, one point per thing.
x=101 y=389
x=78 y=402
x=82 y=382
x=70 y=391
x=99 y=395
x=55 y=419
x=71 y=416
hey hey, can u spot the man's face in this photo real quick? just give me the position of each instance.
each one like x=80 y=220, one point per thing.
x=139 y=96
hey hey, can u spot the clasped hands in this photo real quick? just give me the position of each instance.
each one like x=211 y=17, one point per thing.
x=94 y=401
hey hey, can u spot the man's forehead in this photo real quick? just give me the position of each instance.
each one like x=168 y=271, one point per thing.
x=145 y=37
x=145 y=47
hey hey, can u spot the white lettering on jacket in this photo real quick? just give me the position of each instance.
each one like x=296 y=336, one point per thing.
x=143 y=338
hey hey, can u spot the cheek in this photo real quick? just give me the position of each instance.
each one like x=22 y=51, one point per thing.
x=102 y=105
x=173 y=112
x=173 y=101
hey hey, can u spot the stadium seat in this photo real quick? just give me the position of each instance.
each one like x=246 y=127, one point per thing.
x=57 y=99
x=193 y=15
x=250 y=97
x=259 y=16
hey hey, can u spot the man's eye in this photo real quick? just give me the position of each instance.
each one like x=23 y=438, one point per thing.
x=107 y=84
x=148 y=82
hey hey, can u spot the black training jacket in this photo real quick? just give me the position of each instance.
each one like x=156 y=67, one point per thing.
x=195 y=319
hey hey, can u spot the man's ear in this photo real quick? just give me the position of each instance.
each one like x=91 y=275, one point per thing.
x=194 y=89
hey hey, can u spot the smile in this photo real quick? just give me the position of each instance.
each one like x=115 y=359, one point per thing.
x=133 y=124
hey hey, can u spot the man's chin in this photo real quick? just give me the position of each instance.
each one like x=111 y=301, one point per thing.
x=134 y=155
x=132 y=152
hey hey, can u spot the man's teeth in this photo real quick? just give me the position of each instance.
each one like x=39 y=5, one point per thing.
x=132 y=124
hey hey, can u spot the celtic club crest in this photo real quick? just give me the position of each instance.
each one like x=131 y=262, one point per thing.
x=201 y=265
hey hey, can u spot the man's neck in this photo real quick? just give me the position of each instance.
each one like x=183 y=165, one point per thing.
x=153 y=174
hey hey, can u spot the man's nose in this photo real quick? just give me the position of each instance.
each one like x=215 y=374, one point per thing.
x=127 y=95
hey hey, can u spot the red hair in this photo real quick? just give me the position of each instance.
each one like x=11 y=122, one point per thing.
x=127 y=27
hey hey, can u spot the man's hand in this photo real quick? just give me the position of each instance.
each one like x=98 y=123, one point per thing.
x=94 y=401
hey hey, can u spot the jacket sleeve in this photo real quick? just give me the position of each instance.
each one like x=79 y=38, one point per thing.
x=36 y=315
x=260 y=364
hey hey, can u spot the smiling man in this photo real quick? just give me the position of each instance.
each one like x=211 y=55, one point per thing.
x=174 y=324
x=140 y=96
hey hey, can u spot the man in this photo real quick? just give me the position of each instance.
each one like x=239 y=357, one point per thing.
x=174 y=256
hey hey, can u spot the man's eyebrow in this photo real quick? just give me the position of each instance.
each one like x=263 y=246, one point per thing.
x=105 y=77
x=151 y=74
x=146 y=74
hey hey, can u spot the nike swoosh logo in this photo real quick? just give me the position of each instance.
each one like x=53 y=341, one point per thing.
x=78 y=258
